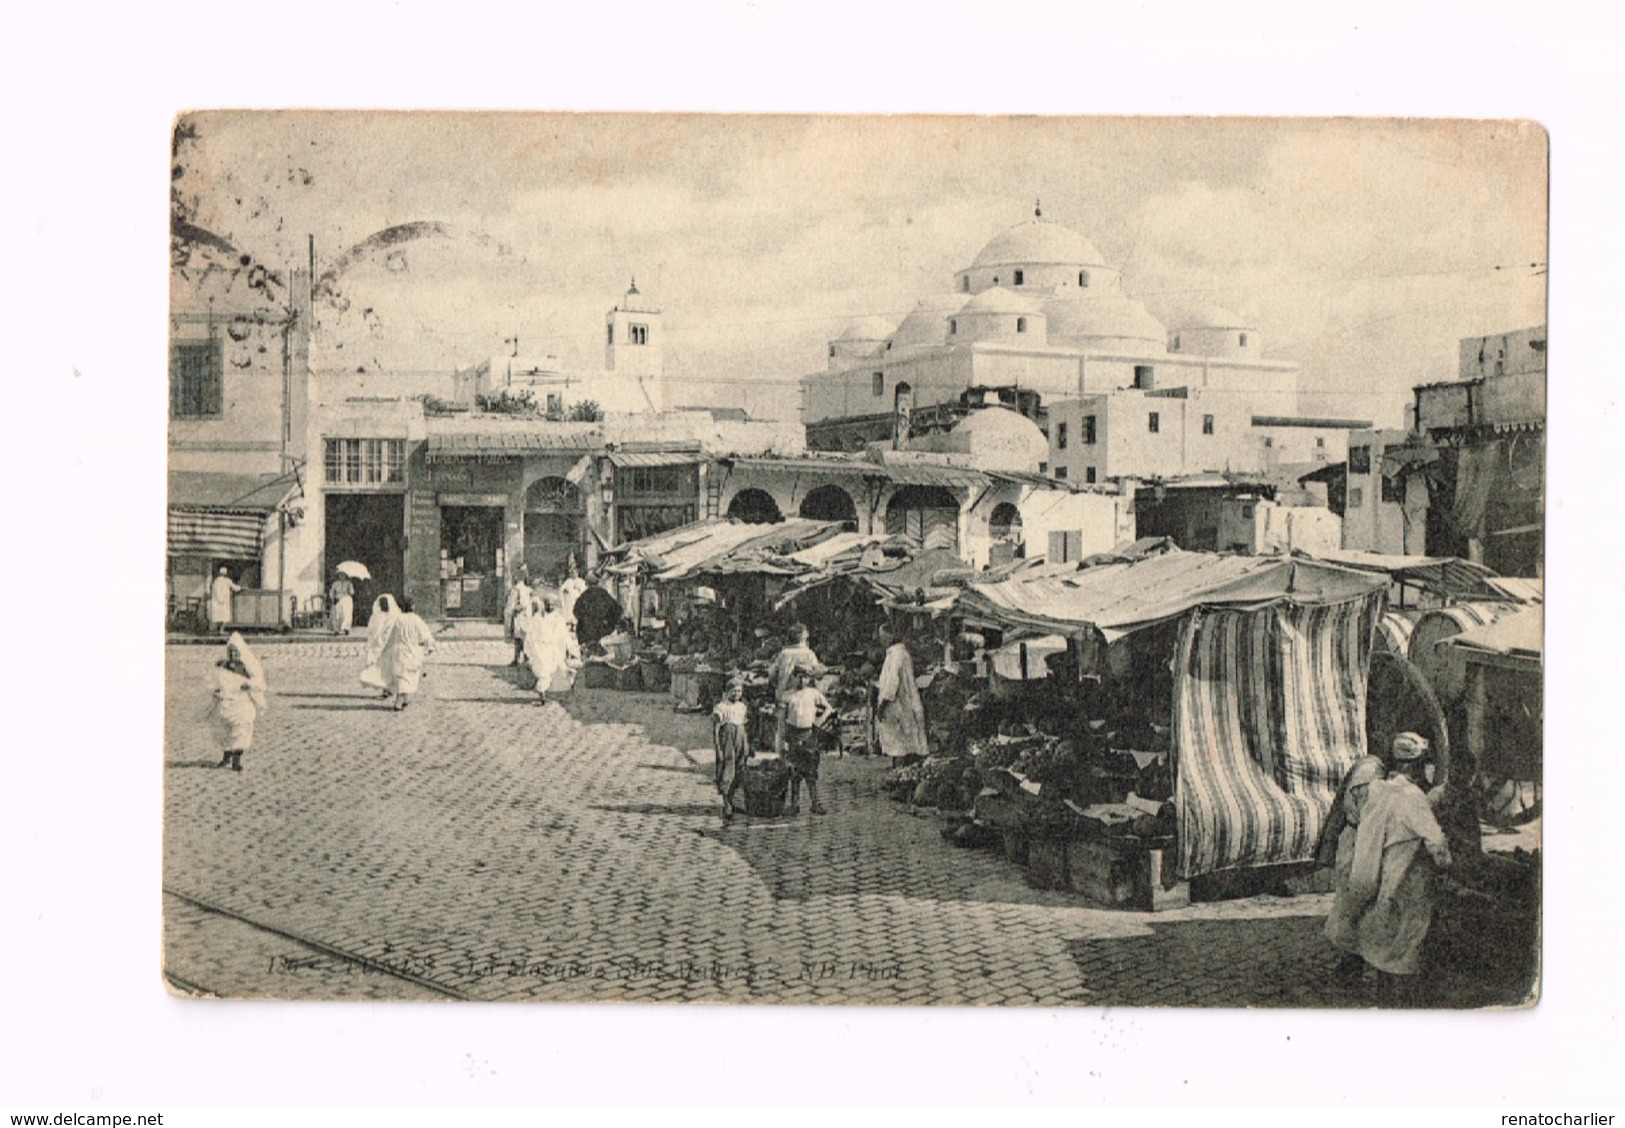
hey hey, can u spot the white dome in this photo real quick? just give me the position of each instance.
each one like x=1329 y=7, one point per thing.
x=1215 y=317
x=1000 y=300
x=1110 y=315
x=927 y=322
x=1039 y=242
x=869 y=328
x=1002 y=439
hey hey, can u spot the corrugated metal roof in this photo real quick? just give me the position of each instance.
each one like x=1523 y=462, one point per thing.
x=516 y=443
x=902 y=474
x=1120 y=598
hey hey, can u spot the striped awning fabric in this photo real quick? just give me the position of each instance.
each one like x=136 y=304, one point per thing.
x=629 y=458
x=1269 y=715
x=1394 y=632
x=216 y=533
x=224 y=515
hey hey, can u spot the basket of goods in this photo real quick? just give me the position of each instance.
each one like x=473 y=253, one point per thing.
x=598 y=674
x=765 y=780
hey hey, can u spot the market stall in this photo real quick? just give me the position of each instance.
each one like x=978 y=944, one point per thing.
x=1217 y=703
x=1503 y=701
x=721 y=592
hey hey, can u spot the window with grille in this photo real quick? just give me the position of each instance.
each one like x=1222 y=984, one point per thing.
x=1089 y=430
x=365 y=462
x=659 y=480
x=1359 y=460
x=195 y=379
x=1207 y=424
x=1356 y=497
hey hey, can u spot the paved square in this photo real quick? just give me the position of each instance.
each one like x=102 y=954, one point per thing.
x=483 y=845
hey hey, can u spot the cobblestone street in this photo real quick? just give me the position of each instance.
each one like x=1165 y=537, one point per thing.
x=482 y=845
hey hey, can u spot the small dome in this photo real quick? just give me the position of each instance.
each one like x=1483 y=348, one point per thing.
x=1002 y=439
x=867 y=329
x=1039 y=242
x=1215 y=317
x=927 y=322
x=1110 y=315
x=1000 y=300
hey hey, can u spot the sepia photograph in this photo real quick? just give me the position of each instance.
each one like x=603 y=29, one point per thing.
x=931 y=560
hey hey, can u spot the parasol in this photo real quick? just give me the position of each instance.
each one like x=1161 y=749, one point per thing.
x=355 y=570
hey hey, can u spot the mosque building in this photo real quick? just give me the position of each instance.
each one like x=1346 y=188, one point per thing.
x=1041 y=315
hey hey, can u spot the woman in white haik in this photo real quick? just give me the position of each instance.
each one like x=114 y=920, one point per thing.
x=549 y=645
x=407 y=641
x=379 y=623
x=238 y=681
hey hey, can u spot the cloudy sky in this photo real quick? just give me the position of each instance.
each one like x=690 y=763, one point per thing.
x=1362 y=250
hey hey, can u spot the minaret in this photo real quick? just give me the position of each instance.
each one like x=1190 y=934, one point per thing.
x=633 y=344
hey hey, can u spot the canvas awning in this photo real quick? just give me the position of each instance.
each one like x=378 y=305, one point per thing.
x=719 y=546
x=1118 y=598
x=1518 y=588
x=1518 y=635
x=1447 y=575
x=224 y=515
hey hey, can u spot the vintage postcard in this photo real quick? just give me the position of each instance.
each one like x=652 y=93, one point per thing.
x=857 y=560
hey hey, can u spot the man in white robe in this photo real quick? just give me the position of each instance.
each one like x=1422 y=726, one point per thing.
x=220 y=593
x=341 y=601
x=1386 y=908
x=517 y=613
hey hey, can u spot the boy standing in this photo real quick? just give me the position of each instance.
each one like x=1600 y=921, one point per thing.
x=805 y=708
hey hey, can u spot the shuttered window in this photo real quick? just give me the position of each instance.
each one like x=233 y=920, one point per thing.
x=194 y=379
x=1065 y=547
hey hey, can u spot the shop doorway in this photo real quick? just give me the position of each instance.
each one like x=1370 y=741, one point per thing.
x=555 y=530
x=370 y=528
x=471 y=561
x=927 y=515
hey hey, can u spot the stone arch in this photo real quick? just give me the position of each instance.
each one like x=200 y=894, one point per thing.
x=1005 y=533
x=754 y=507
x=555 y=528
x=927 y=515
x=829 y=503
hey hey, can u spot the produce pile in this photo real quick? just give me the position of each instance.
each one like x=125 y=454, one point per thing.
x=1051 y=780
x=949 y=783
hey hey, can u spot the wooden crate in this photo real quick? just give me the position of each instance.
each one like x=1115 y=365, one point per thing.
x=1123 y=875
x=1047 y=861
x=856 y=731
